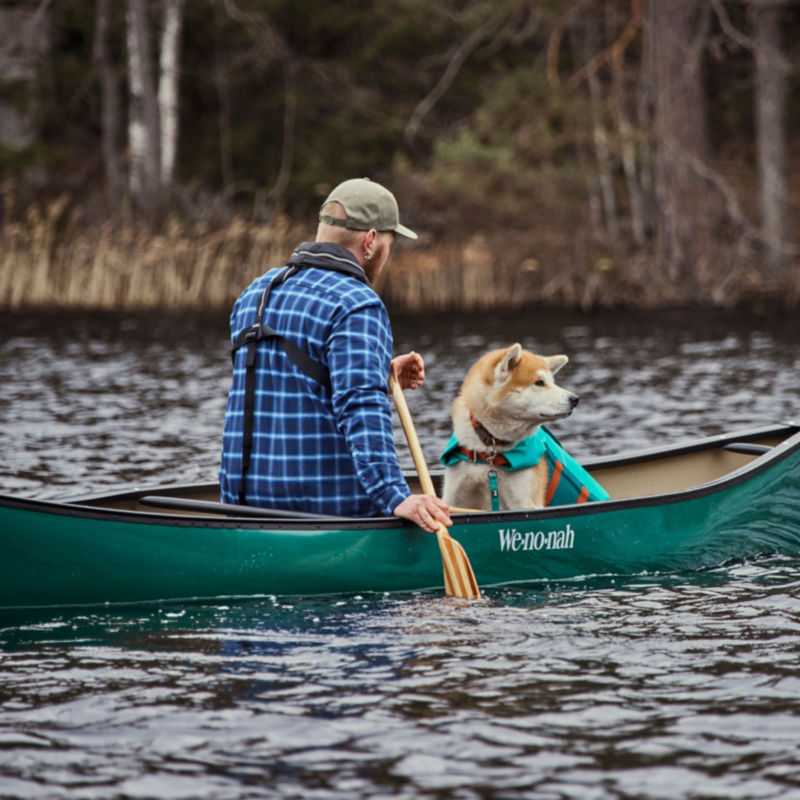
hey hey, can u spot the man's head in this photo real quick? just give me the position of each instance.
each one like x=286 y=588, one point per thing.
x=367 y=206
x=362 y=216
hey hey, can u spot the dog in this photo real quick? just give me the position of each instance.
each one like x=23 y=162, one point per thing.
x=504 y=399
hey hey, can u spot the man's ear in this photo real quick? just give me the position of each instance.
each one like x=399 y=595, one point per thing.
x=368 y=243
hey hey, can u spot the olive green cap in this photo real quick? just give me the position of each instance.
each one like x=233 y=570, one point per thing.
x=368 y=205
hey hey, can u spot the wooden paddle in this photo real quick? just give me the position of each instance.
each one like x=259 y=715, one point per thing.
x=459 y=579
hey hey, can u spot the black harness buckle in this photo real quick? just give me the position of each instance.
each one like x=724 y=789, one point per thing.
x=252 y=334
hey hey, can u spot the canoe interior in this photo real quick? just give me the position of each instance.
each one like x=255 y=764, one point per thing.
x=673 y=473
x=652 y=472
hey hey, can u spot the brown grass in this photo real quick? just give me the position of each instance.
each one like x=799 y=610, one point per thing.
x=51 y=257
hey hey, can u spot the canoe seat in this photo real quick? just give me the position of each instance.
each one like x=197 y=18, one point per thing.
x=746 y=448
x=230 y=510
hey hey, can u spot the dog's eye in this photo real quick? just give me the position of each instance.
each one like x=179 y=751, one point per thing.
x=540 y=382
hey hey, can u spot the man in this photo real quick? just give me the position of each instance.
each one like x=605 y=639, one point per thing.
x=318 y=436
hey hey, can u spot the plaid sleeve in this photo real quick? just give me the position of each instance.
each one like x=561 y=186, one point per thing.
x=359 y=358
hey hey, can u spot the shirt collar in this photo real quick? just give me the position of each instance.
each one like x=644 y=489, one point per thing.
x=328 y=255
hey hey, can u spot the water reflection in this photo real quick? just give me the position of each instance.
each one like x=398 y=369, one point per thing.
x=599 y=690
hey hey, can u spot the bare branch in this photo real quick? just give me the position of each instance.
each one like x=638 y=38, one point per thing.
x=38 y=15
x=734 y=210
x=729 y=29
x=522 y=24
x=614 y=51
x=455 y=63
x=556 y=37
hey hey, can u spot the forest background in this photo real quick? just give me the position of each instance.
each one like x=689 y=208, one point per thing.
x=576 y=153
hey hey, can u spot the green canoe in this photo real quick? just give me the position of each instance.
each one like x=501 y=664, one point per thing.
x=677 y=508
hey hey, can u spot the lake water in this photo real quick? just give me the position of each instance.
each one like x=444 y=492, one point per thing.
x=668 y=686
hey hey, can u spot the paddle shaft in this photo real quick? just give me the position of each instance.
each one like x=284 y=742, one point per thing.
x=412 y=439
x=459 y=579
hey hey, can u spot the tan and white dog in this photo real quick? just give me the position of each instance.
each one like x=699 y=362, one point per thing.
x=504 y=399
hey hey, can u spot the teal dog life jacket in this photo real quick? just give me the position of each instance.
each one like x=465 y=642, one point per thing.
x=568 y=481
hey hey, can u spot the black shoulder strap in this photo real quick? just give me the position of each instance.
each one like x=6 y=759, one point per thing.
x=254 y=334
x=259 y=330
x=250 y=337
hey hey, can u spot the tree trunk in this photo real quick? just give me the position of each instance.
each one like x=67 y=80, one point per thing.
x=143 y=136
x=168 y=95
x=24 y=46
x=111 y=121
x=771 y=69
x=601 y=141
x=630 y=149
x=677 y=36
x=600 y=166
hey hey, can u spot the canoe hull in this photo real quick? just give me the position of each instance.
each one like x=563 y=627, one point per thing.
x=74 y=554
x=88 y=560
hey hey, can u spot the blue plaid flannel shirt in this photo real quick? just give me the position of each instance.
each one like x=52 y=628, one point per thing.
x=328 y=452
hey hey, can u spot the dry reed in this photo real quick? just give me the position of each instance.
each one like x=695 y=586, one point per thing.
x=50 y=257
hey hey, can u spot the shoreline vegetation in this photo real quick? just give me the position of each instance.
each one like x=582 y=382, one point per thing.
x=567 y=155
x=51 y=257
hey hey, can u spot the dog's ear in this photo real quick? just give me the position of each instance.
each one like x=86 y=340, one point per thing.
x=509 y=360
x=556 y=362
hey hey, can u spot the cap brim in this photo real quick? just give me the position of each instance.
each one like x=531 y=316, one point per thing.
x=403 y=231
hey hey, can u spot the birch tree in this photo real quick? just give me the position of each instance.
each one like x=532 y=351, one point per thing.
x=152 y=113
x=143 y=122
x=168 y=89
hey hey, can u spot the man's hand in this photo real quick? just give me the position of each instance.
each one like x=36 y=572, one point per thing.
x=424 y=510
x=409 y=370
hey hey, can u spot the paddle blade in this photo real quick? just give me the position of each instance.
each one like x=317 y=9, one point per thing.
x=459 y=579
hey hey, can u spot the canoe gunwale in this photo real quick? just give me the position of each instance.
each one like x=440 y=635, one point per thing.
x=748 y=435
x=84 y=510
x=90 y=506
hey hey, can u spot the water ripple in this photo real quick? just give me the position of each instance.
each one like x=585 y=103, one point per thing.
x=656 y=686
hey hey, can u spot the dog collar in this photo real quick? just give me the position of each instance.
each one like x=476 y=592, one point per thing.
x=490 y=456
x=493 y=459
x=488 y=438
x=526 y=453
